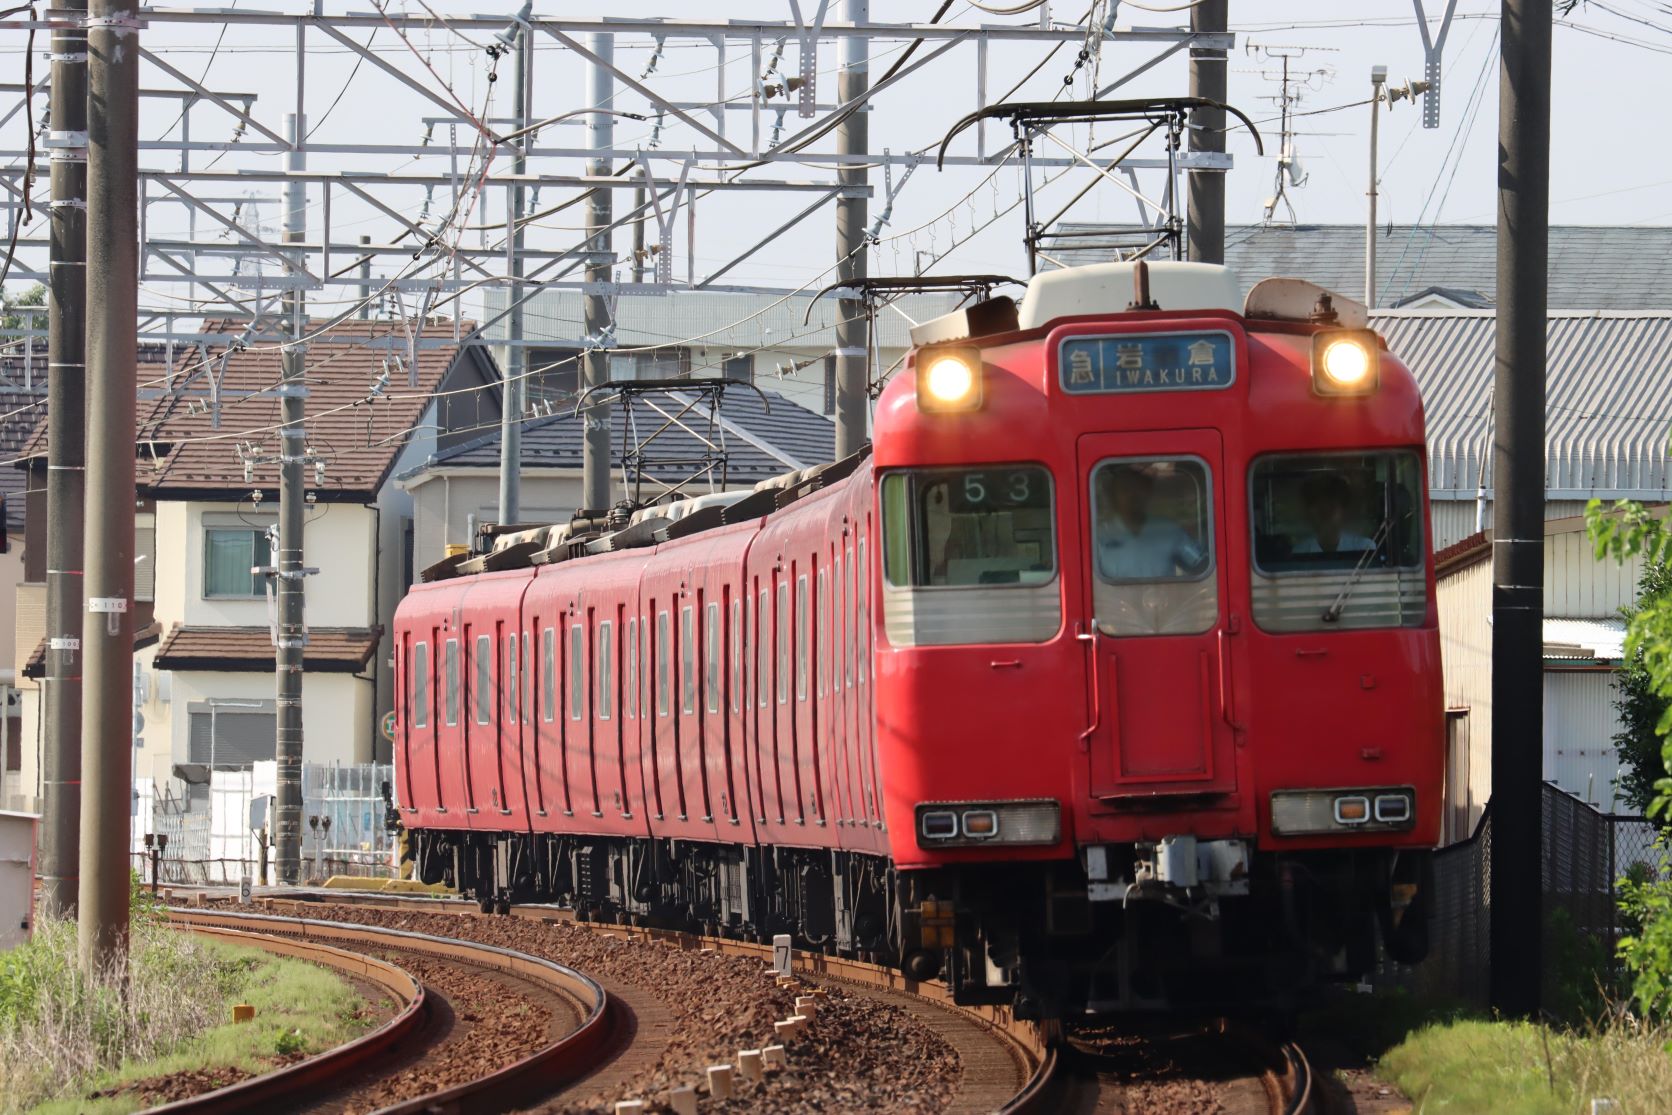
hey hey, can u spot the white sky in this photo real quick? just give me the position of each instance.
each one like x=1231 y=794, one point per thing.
x=1608 y=168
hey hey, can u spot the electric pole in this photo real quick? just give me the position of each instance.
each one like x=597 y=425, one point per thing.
x=595 y=458
x=365 y=279
x=66 y=421
x=107 y=634
x=1378 y=79
x=852 y=218
x=1518 y=505
x=516 y=380
x=287 y=562
x=1205 y=218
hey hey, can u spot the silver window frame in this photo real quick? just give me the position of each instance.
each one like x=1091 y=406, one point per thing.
x=1056 y=548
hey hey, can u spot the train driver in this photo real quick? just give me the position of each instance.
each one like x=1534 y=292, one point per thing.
x=1326 y=496
x=1134 y=542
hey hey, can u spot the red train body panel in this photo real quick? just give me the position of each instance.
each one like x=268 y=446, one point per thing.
x=765 y=725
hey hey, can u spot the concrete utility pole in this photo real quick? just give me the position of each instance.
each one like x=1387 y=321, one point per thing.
x=852 y=220
x=66 y=421
x=287 y=563
x=365 y=281
x=1378 y=80
x=516 y=365
x=595 y=454
x=1205 y=218
x=1518 y=505
x=107 y=634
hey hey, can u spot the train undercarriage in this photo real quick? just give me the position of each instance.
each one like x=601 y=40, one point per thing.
x=1040 y=937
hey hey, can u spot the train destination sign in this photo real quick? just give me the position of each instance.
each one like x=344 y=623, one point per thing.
x=1147 y=362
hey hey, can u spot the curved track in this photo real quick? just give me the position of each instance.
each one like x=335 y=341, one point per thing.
x=357 y=1069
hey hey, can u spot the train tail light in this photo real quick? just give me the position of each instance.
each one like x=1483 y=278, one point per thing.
x=965 y=824
x=948 y=380
x=1345 y=362
x=1310 y=812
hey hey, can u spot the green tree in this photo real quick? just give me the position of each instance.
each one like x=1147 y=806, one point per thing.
x=1624 y=531
x=1641 y=708
x=34 y=296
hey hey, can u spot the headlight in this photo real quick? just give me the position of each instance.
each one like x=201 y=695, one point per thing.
x=1374 y=809
x=948 y=380
x=1345 y=362
x=962 y=824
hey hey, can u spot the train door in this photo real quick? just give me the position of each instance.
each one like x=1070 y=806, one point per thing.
x=1157 y=614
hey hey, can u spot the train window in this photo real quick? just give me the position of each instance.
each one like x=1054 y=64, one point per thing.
x=606 y=670
x=864 y=594
x=548 y=674
x=484 y=679
x=851 y=607
x=1337 y=541
x=511 y=679
x=736 y=655
x=452 y=682
x=1152 y=531
x=966 y=526
x=802 y=644
x=711 y=656
x=763 y=643
x=783 y=642
x=823 y=632
x=420 y=685
x=577 y=669
x=687 y=661
x=664 y=662
x=632 y=667
x=527 y=680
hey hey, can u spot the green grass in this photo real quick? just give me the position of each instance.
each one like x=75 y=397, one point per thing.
x=63 y=1039
x=1471 y=1065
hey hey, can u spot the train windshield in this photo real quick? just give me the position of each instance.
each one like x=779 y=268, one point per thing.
x=1338 y=541
x=1317 y=512
x=1152 y=530
x=969 y=526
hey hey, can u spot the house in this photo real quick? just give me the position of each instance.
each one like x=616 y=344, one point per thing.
x=382 y=395
x=747 y=437
x=1584 y=638
x=781 y=343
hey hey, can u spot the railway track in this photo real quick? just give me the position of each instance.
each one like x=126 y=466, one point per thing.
x=416 y=1061
x=1007 y=1064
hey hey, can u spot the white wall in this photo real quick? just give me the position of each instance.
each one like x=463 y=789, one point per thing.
x=1579 y=725
x=336 y=710
x=1465 y=600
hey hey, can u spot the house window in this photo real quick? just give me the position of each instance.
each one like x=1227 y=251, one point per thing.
x=740 y=368
x=145 y=563
x=228 y=555
x=231 y=736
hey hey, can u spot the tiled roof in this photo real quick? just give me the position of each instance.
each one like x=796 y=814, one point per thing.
x=20 y=409
x=762 y=439
x=343 y=650
x=35 y=667
x=189 y=445
x=1592 y=267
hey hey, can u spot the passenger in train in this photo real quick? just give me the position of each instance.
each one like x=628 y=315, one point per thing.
x=1135 y=540
x=1327 y=497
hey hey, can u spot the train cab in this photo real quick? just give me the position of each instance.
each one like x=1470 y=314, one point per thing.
x=1158 y=638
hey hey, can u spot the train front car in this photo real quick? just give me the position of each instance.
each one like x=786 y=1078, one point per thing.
x=1158 y=673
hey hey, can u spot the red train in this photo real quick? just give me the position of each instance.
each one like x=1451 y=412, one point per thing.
x=1110 y=678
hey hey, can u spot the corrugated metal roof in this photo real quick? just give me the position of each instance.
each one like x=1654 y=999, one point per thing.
x=1609 y=393
x=1595 y=640
x=717 y=320
x=1592 y=267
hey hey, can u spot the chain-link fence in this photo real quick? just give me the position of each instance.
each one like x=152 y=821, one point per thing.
x=1584 y=854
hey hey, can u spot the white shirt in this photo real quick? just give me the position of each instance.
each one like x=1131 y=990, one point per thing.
x=1347 y=543
x=1159 y=550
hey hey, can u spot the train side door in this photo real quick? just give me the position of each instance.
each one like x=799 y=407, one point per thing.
x=1156 y=614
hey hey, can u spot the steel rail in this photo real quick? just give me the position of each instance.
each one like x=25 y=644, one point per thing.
x=572 y=1057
